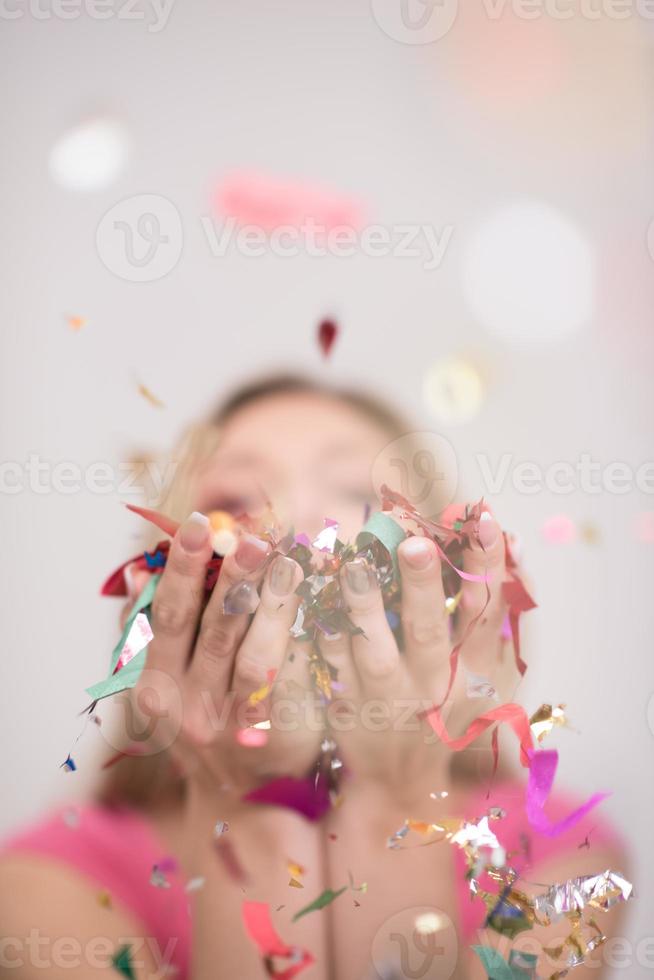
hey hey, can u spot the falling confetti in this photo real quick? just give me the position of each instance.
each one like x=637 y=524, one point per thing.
x=325 y=898
x=76 y=322
x=327 y=334
x=122 y=962
x=149 y=396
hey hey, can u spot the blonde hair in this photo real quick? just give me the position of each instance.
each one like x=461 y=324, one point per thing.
x=151 y=780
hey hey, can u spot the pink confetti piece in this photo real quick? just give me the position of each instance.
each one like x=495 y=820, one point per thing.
x=270 y=202
x=542 y=769
x=559 y=529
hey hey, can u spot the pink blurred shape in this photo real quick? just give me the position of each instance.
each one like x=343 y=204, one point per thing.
x=644 y=526
x=252 y=738
x=268 y=202
x=559 y=529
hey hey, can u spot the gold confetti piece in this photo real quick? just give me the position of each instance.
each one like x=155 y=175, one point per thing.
x=259 y=695
x=545 y=718
x=294 y=883
x=76 y=322
x=295 y=870
x=590 y=533
x=104 y=900
x=452 y=602
x=149 y=396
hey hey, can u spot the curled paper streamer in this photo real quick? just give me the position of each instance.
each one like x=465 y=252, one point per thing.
x=256 y=918
x=542 y=769
x=511 y=714
x=386 y=530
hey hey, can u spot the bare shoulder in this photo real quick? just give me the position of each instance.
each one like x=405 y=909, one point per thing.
x=52 y=917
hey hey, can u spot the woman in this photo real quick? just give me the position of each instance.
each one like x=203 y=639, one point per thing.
x=72 y=894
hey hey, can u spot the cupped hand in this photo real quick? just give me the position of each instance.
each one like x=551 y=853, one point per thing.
x=210 y=676
x=385 y=690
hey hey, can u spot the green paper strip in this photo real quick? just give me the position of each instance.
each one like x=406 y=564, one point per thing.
x=326 y=898
x=130 y=673
x=122 y=961
x=386 y=530
x=494 y=964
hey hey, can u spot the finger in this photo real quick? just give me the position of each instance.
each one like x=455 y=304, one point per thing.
x=221 y=633
x=425 y=627
x=481 y=600
x=265 y=644
x=375 y=653
x=337 y=651
x=179 y=596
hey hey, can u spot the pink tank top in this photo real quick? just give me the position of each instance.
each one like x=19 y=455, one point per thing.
x=117 y=848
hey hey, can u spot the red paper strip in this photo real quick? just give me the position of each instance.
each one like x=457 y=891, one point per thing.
x=513 y=714
x=518 y=600
x=256 y=918
x=165 y=524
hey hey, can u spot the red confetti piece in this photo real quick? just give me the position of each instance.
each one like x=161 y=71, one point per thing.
x=327 y=334
x=256 y=918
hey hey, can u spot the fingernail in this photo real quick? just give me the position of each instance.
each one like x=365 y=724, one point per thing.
x=488 y=529
x=416 y=552
x=282 y=574
x=250 y=552
x=358 y=576
x=194 y=532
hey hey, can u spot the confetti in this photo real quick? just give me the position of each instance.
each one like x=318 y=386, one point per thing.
x=269 y=202
x=76 y=322
x=542 y=769
x=327 y=334
x=302 y=795
x=104 y=900
x=559 y=529
x=122 y=962
x=195 y=884
x=256 y=918
x=325 y=898
x=149 y=396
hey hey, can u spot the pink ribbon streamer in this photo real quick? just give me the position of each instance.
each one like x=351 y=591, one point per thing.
x=542 y=769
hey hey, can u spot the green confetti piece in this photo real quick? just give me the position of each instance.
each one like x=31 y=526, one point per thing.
x=326 y=898
x=379 y=525
x=130 y=673
x=523 y=965
x=494 y=964
x=122 y=961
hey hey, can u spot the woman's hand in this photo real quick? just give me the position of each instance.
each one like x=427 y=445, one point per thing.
x=205 y=680
x=385 y=689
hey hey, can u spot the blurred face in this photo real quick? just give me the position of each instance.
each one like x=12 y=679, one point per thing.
x=310 y=454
